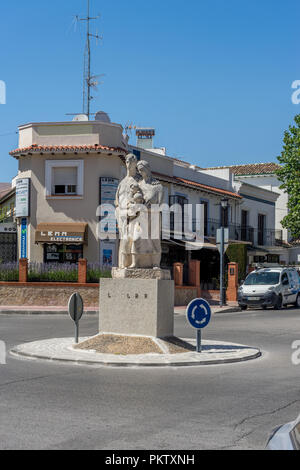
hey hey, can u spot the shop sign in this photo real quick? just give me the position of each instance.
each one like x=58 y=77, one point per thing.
x=63 y=237
x=22 y=197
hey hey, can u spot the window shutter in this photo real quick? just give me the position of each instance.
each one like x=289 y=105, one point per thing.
x=64 y=176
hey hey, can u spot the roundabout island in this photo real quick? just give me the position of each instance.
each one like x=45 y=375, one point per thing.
x=135 y=351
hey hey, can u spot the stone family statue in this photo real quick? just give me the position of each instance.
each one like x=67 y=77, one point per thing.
x=138 y=199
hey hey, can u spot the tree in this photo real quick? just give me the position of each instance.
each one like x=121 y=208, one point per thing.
x=289 y=175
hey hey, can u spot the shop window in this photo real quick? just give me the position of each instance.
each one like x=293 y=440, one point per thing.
x=273 y=259
x=62 y=253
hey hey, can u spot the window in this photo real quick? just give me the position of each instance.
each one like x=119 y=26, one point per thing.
x=181 y=201
x=285 y=279
x=273 y=259
x=263 y=279
x=62 y=253
x=224 y=217
x=64 y=178
x=205 y=207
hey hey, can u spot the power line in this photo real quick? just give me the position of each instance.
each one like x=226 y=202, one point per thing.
x=8 y=133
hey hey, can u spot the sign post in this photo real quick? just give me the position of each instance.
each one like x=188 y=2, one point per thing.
x=75 y=308
x=198 y=314
x=24 y=230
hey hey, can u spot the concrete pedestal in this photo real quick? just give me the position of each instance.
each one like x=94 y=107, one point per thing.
x=137 y=307
x=141 y=273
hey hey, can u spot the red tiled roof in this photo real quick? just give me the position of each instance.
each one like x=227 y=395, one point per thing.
x=250 y=169
x=5 y=188
x=204 y=187
x=66 y=149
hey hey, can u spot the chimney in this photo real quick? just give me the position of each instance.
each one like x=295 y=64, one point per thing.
x=145 y=138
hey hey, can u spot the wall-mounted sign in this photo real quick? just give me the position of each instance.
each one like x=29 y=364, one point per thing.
x=108 y=190
x=61 y=233
x=8 y=228
x=108 y=249
x=107 y=254
x=24 y=238
x=23 y=197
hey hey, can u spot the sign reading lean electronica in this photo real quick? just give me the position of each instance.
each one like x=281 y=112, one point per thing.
x=22 y=197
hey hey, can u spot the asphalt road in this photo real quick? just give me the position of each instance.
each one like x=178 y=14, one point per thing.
x=54 y=406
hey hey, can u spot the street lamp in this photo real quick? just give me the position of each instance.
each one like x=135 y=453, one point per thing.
x=224 y=207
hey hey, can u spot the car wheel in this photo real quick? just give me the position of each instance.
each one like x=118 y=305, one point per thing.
x=278 y=305
x=243 y=307
x=297 y=303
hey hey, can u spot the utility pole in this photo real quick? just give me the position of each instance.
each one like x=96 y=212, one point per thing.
x=222 y=242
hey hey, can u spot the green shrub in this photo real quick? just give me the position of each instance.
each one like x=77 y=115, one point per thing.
x=95 y=272
x=237 y=253
x=52 y=272
x=9 y=272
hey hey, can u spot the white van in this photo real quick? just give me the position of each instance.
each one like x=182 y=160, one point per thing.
x=270 y=287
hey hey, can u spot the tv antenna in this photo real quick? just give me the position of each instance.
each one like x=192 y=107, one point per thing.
x=90 y=81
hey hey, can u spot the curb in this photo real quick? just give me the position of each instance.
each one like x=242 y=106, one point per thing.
x=214 y=311
x=60 y=351
x=44 y=312
x=229 y=310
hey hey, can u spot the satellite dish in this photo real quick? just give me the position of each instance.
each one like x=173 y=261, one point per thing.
x=80 y=118
x=101 y=116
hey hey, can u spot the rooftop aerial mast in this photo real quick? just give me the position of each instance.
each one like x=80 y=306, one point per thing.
x=89 y=80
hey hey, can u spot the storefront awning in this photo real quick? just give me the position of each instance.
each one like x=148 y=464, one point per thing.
x=69 y=233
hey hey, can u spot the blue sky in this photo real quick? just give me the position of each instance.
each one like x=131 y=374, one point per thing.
x=212 y=76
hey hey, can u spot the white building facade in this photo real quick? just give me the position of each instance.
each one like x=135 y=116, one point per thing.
x=73 y=167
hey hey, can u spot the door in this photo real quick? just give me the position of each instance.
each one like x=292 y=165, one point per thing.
x=205 y=207
x=244 y=226
x=261 y=226
x=294 y=287
x=8 y=247
x=286 y=288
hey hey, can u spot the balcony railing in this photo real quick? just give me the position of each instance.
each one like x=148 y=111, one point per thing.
x=237 y=232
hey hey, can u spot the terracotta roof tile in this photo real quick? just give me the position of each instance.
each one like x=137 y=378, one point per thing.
x=5 y=188
x=250 y=169
x=204 y=187
x=65 y=148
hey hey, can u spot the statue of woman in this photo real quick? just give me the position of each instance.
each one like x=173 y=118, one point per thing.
x=138 y=215
x=148 y=251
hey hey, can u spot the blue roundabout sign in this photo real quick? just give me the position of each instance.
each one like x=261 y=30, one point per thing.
x=198 y=313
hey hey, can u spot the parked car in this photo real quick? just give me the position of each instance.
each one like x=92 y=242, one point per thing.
x=270 y=287
x=286 y=437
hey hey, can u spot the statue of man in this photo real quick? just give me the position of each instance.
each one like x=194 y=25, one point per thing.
x=122 y=200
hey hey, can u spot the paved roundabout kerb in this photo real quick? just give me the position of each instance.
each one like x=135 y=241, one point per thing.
x=61 y=350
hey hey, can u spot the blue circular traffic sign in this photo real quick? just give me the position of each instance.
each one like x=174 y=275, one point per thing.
x=198 y=313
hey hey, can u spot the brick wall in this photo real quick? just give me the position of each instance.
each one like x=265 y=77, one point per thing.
x=46 y=294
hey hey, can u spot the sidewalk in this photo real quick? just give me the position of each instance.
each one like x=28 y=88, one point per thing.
x=215 y=308
x=42 y=310
x=63 y=310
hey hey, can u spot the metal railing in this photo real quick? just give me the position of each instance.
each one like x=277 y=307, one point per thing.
x=237 y=232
